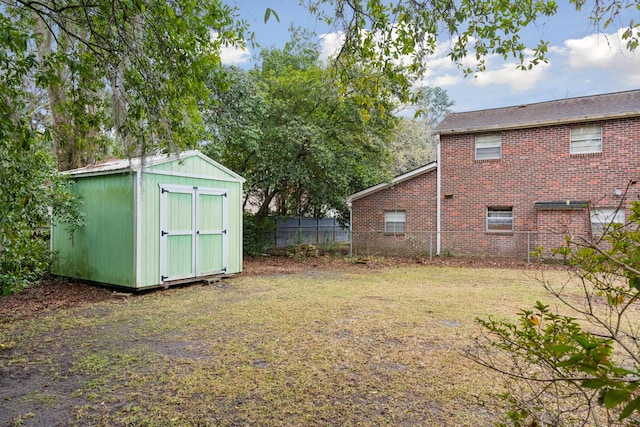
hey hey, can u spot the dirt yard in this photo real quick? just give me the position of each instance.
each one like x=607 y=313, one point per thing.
x=62 y=293
x=319 y=341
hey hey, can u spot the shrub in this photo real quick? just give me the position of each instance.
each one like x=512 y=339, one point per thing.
x=33 y=193
x=256 y=237
x=578 y=364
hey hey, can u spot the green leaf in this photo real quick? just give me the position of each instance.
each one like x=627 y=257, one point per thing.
x=634 y=405
x=562 y=349
x=595 y=383
x=573 y=360
x=614 y=397
x=268 y=13
x=584 y=342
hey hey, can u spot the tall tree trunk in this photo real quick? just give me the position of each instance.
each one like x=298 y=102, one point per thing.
x=72 y=146
x=263 y=212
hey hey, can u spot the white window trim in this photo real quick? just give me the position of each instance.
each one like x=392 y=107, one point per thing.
x=505 y=218
x=485 y=147
x=586 y=140
x=395 y=217
x=602 y=218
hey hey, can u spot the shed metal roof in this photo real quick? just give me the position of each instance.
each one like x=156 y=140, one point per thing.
x=569 y=110
x=140 y=163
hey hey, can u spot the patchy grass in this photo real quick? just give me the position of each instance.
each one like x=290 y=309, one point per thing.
x=326 y=346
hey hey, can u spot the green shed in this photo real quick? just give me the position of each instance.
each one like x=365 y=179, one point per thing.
x=151 y=222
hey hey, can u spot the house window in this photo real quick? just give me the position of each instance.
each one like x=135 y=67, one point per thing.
x=603 y=218
x=488 y=147
x=395 y=221
x=500 y=219
x=586 y=139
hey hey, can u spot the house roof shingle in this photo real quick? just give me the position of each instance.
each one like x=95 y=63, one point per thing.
x=569 y=110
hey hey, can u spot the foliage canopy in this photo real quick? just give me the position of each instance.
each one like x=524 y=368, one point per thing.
x=301 y=142
x=395 y=38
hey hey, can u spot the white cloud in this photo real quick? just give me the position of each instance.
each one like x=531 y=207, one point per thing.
x=234 y=55
x=443 y=72
x=330 y=44
x=517 y=79
x=596 y=50
x=604 y=52
x=446 y=80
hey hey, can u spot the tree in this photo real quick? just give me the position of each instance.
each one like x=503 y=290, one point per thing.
x=302 y=143
x=413 y=144
x=31 y=191
x=578 y=364
x=123 y=73
x=394 y=38
x=433 y=104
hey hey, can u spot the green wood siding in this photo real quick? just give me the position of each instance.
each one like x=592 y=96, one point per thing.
x=103 y=249
x=150 y=222
x=121 y=242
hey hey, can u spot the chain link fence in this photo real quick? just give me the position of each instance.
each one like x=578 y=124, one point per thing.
x=513 y=245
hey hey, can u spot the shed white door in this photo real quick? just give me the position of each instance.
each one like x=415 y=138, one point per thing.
x=193 y=232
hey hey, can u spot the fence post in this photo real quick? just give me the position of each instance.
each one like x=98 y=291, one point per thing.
x=528 y=247
x=334 y=230
x=431 y=246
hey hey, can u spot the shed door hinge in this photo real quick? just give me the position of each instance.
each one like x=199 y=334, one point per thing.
x=164 y=190
x=163 y=233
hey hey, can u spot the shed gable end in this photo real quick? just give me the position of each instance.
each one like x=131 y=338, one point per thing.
x=195 y=166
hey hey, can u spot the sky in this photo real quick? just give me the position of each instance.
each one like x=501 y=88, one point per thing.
x=582 y=60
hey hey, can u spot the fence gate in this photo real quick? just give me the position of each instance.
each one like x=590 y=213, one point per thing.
x=193 y=231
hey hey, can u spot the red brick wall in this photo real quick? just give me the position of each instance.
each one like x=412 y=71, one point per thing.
x=536 y=166
x=417 y=197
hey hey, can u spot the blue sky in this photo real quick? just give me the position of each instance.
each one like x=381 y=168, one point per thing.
x=582 y=61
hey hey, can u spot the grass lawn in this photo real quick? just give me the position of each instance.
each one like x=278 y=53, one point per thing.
x=345 y=345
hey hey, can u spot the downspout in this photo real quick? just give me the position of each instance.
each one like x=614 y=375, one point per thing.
x=349 y=204
x=438 y=192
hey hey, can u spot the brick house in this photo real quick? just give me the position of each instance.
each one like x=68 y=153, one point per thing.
x=512 y=179
x=398 y=217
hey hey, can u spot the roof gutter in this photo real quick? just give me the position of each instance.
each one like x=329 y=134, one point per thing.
x=397 y=180
x=514 y=126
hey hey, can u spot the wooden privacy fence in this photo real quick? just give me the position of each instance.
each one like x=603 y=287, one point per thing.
x=304 y=231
